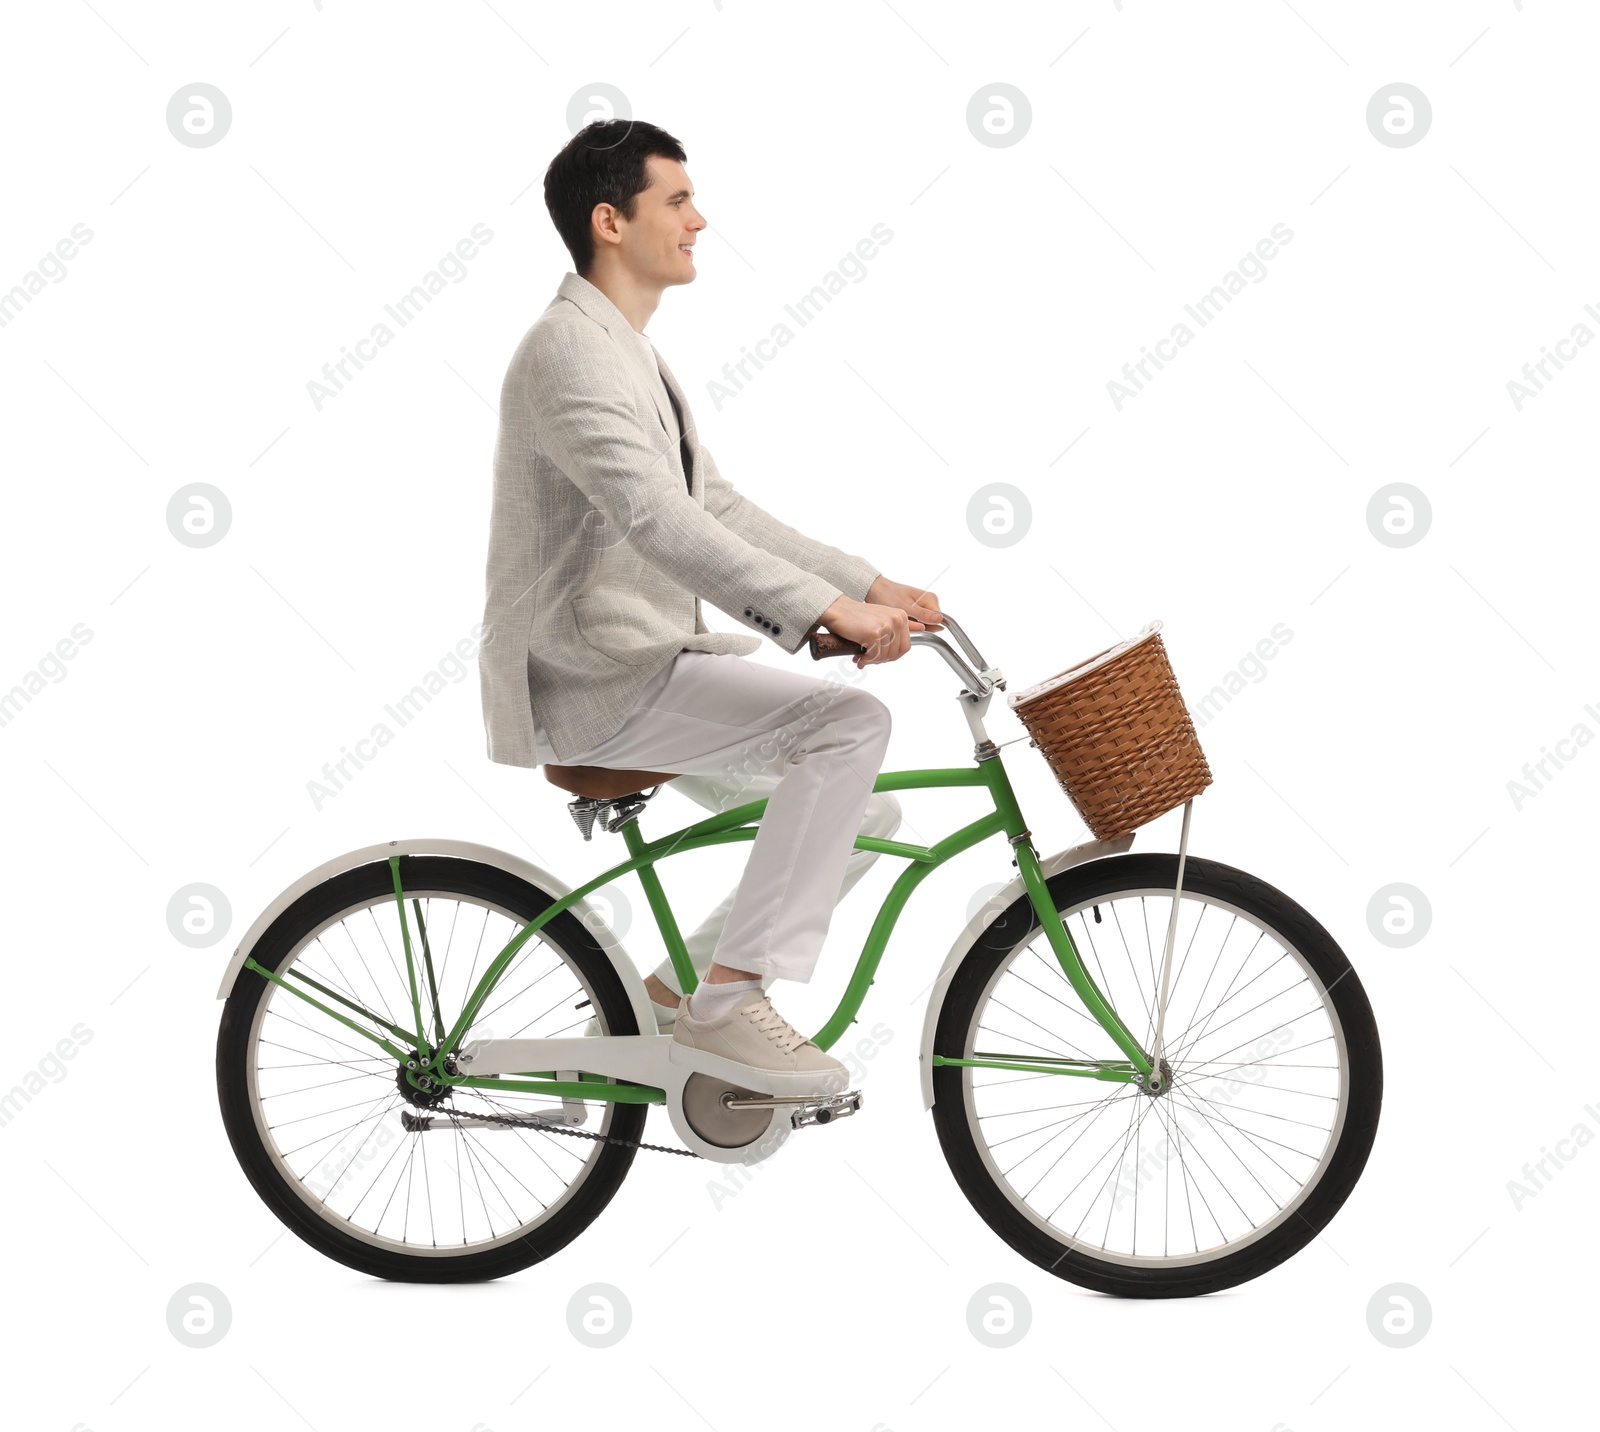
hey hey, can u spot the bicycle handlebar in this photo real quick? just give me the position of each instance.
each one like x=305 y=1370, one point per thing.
x=825 y=644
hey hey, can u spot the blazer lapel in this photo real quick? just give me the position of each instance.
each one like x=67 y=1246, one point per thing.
x=604 y=312
x=655 y=394
x=688 y=442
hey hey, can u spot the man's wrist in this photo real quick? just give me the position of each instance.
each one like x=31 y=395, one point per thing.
x=837 y=608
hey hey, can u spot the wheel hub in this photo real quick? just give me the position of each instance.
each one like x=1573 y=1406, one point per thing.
x=427 y=1092
x=1158 y=1082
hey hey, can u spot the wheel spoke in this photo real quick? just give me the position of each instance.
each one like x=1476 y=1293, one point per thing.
x=1061 y=975
x=277 y=1013
x=1093 y=1117
x=1244 y=1124
x=1116 y=917
x=1054 y=1053
x=1243 y=1014
x=1077 y=1051
x=327 y=1112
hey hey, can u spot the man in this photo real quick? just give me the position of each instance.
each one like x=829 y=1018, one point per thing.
x=610 y=523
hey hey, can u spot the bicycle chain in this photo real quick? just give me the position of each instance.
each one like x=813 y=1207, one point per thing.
x=522 y=1123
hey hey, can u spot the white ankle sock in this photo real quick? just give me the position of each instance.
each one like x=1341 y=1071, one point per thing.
x=665 y=1013
x=713 y=1001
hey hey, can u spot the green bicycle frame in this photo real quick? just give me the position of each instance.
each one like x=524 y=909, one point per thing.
x=426 y=1056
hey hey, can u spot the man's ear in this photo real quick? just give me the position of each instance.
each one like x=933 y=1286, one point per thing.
x=603 y=223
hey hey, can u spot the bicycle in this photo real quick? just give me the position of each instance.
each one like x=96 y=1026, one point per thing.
x=417 y=1120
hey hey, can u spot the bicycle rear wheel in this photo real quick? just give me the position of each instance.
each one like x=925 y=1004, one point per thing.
x=1277 y=1080
x=325 y=1124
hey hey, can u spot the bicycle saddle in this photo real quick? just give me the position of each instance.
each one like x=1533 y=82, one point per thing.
x=603 y=783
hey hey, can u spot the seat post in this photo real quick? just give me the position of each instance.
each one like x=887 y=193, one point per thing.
x=632 y=836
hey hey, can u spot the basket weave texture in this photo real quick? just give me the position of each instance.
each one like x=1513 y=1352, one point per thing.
x=1118 y=736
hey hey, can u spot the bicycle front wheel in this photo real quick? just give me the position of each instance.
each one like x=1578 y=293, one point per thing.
x=1277 y=1079
x=345 y=1150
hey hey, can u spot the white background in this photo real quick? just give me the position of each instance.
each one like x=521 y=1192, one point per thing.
x=1229 y=496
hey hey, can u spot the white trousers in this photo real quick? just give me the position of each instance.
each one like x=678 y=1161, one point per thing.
x=738 y=731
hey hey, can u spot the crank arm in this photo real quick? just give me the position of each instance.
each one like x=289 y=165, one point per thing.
x=806 y=1108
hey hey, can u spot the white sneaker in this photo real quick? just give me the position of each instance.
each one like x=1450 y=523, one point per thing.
x=755 y=1047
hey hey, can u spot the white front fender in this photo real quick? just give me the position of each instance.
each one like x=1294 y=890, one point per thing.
x=996 y=904
x=460 y=850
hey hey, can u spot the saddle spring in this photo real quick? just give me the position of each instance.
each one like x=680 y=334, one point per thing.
x=612 y=813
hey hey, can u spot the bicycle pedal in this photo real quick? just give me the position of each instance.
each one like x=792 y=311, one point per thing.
x=826 y=1109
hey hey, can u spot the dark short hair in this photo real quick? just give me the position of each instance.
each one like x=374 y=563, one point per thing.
x=603 y=163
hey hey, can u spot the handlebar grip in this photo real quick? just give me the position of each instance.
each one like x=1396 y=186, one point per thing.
x=825 y=643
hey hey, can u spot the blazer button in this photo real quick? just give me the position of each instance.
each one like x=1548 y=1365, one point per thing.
x=748 y=612
x=776 y=629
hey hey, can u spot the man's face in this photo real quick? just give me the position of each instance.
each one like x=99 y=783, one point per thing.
x=657 y=242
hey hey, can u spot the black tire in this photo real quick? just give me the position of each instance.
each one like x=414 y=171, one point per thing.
x=590 y=1190
x=1078 y=888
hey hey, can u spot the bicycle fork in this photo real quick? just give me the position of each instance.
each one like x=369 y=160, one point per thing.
x=1152 y=1076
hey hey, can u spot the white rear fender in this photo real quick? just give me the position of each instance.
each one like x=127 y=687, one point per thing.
x=459 y=850
x=997 y=904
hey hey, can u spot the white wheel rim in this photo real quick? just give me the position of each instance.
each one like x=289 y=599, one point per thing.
x=332 y=1165
x=1104 y=1223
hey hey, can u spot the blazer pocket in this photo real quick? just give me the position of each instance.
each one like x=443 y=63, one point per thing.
x=622 y=627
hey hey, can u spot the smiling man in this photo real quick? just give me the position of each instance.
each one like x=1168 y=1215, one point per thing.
x=610 y=523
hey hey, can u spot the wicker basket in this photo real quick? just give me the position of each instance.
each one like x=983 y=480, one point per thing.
x=1117 y=735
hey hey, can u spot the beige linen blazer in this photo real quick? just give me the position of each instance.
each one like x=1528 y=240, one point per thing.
x=601 y=546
